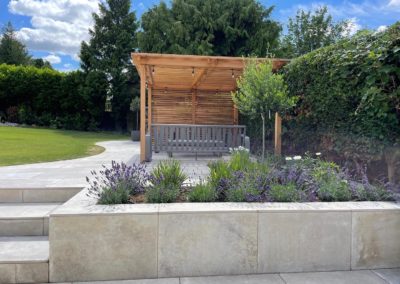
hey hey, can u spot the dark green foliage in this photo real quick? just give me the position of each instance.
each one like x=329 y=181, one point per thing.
x=284 y=193
x=113 y=38
x=40 y=63
x=203 y=192
x=209 y=27
x=11 y=50
x=349 y=96
x=50 y=98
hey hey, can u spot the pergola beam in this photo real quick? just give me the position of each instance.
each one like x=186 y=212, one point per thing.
x=196 y=61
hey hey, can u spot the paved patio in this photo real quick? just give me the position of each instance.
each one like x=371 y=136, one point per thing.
x=379 y=276
x=72 y=173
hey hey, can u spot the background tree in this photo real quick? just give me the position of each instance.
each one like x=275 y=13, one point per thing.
x=113 y=38
x=11 y=50
x=209 y=27
x=40 y=63
x=260 y=92
x=308 y=31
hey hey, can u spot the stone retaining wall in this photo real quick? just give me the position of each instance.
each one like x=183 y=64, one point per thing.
x=95 y=242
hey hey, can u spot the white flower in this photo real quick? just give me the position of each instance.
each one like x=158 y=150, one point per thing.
x=297 y=158
x=318 y=154
x=288 y=158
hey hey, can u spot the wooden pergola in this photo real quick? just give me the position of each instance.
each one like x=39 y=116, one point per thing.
x=189 y=89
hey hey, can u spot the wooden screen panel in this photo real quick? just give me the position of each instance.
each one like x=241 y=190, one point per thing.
x=171 y=107
x=214 y=108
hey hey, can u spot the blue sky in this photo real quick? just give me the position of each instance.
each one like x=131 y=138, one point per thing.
x=53 y=29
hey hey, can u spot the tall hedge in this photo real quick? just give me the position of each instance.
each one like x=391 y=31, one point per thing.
x=352 y=85
x=50 y=98
x=349 y=98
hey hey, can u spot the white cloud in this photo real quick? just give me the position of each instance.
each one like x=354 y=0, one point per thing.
x=353 y=27
x=58 y=26
x=394 y=3
x=53 y=59
x=381 y=28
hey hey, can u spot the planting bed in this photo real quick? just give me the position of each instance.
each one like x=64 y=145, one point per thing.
x=109 y=242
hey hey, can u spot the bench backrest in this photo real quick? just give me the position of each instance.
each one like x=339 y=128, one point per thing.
x=197 y=138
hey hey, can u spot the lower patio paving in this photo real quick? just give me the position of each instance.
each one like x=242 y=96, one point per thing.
x=72 y=173
x=379 y=276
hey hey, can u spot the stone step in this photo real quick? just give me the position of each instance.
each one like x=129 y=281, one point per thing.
x=24 y=260
x=25 y=219
x=37 y=195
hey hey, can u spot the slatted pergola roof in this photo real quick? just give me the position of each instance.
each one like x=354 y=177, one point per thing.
x=170 y=73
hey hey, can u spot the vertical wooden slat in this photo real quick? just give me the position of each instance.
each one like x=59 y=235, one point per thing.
x=235 y=115
x=194 y=94
x=278 y=131
x=142 y=114
x=149 y=108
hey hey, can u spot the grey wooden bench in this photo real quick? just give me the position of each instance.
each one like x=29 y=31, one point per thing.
x=193 y=138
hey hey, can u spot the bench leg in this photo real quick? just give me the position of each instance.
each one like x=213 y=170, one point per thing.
x=196 y=156
x=170 y=154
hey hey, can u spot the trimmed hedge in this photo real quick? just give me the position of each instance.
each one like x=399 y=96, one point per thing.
x=47 y=97
x=350 y=86
x=349 y=105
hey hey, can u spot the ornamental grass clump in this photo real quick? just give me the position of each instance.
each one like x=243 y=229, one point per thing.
x=114 y=185
x=203 y=192
x=166 y=182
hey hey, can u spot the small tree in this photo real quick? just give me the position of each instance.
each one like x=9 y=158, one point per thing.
x=11 y=50
x=260 y=91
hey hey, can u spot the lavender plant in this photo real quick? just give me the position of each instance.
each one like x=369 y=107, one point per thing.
x=114 y=185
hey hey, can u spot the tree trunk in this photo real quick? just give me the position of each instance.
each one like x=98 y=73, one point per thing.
x=263 y=137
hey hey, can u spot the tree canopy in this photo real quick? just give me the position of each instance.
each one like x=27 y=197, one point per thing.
x=310 y=30
x=113 y=38
x=208 y=27
x=260 y=91
x=12 y=51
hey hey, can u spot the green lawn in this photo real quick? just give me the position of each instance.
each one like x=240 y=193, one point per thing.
x=32 y=145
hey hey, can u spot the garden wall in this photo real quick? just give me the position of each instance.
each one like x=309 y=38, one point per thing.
x=96 y=242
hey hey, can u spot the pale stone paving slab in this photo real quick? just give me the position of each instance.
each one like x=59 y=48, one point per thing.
x=336 y=277
x=26 y=210
x=72 y=173
x=24 y=249
x=392 y=276
x=241 y=279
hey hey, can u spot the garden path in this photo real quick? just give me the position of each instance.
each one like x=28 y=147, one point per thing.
x=72 y=173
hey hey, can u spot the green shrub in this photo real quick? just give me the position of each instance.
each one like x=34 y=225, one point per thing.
x=169 y=173
x=166 y=181
x=202 y=192
x=162 y=193
x=371 y=192
x=334 y=189
x=218 y=170
x=240 y=160
x=284 y=193
x=115 y=195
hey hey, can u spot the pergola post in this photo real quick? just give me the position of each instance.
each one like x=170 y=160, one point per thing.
x=143 y=115
x=278 y=131
x=149 y=110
